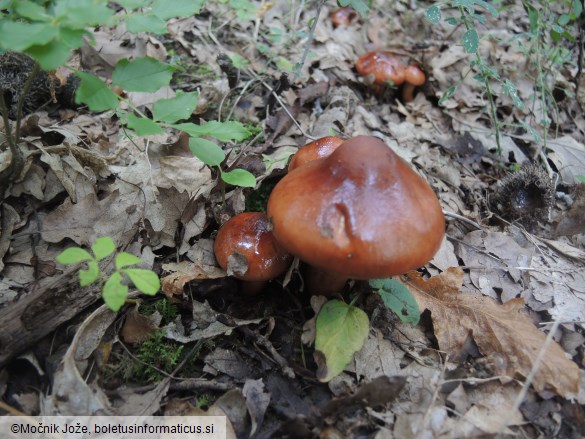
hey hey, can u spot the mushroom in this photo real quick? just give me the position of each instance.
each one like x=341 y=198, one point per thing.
x=342 y=16
x=383 y=67
x=360 y=213
x=314 y=150
x=414 y=77
x=246 y=248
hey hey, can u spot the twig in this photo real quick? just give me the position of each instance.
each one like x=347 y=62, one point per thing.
x=462 y=218
x=17 y=161
x=309 y=40
x=283 y=105
x=530 y=378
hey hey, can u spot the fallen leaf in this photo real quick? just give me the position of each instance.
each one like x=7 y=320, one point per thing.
x=184 y=272
x=496 y=329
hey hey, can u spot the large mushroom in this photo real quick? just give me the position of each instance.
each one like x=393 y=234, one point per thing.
x=246 y=248
x=359 y=213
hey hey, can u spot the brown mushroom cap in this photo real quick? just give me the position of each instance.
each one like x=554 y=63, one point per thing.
x=362 y=212
x=384 y=66
x=343 y=16
x=246 y=240
x=414 y=75
x=317 y=149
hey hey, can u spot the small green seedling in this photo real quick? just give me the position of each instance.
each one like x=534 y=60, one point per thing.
x=114 y=291
x=342 y=329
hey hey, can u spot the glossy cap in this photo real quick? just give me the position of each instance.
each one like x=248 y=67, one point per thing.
x=414 y=75
x=343 y=16
x=361 y=212
x=317 y=149
x=384 y=66
x=246 y=248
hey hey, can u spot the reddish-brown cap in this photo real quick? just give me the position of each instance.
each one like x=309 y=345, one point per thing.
x=361 y=212
x=342 y=16
x=384 y=66
x=414 y=75
x=317 y=149
x=246 y=248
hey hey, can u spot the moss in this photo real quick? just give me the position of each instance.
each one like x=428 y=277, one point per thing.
x=156 y=354
x=258 y=199
x=166 y=309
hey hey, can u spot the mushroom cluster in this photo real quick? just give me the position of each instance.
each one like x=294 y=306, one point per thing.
x=360 y=212
x=385 y=67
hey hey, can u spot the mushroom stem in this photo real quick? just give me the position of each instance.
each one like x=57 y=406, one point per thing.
x=407 y=93
x=326 y=283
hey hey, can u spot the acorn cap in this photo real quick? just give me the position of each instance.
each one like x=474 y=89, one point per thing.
x=384 y=66
x=361 y=212
x=314 y=150
x=246 y=248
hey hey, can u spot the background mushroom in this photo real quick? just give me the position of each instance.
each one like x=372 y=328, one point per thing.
x=414 y=77
x=382 y=67
x=361 y=213
x=343 y=16
x=246 y=248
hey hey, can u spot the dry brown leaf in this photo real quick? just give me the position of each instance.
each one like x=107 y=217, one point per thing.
x=184 y=272
x=503 y=330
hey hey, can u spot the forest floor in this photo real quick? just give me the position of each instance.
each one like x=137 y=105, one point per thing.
x=510 y=269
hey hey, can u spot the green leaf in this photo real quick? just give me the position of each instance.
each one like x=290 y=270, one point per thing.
x=133 y=4
x=51 y=55
x=142 y=74
x=580 y=178
x=510 y=90
x=165 y=9
x=32 y=11
x=73 y=255
x=448 y=93
x=103 y=247
x=114 y=292
x=143 y=126
x=146 y=23
x=124 y=259
x=239 y=61
x=20 y=36
x=90 y=275
x=78 y=14
x=577 y=8
x=360 y=6
x=177 y=108
x=239 y=177
x=341 y=331
x=470 y=41
x=145 y=280
x=487 y=6
x=94 y=93
x=398 y=298
x=206 y=151
x=224 y=131
x=433 y=14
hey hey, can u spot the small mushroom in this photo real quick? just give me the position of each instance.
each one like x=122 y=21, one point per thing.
x=343 y=16
x=414 y=77
x=246 y=248
x=382 y=67
x=359 y=213
x=314 y=150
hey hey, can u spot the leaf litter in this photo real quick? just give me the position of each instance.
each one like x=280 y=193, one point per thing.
x=482 y=338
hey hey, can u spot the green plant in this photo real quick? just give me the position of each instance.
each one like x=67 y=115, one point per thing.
x=49 y=33
x=468 y=16
x=114 y=291
x=342 y=329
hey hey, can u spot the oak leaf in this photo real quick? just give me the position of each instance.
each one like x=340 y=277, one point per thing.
x=500 y=330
